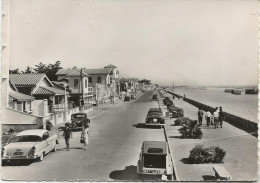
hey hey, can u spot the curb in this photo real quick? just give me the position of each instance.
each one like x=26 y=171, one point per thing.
x=169 y=146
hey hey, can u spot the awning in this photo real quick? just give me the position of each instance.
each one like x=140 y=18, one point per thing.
x=20 y=97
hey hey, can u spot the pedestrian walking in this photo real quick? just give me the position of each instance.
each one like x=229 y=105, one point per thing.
x=67 y=135
x=49 y=125
x=84 y=134
x=216 y=117
x=200 y=116
x=208 y=117
x=212 y=119
x=221 y=117
x=84 y=137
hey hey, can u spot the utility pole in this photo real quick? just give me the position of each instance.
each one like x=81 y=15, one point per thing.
x=82 y=89
x=65 y=101
x=173 y=86
x=113 y=95
x=119 y=88
x=97 y=95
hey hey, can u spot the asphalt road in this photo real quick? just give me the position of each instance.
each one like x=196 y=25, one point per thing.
x=112 y=153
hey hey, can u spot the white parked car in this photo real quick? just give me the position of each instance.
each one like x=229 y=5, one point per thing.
x=30 y=144
x=155 y=160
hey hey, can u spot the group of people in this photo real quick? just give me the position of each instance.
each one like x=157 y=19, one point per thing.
x=83 y=138
x=216 y=118
x=67 y=133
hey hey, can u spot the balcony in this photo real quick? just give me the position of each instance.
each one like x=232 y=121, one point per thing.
x=57 y=108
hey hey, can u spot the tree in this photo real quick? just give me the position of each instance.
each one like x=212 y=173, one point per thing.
x=28 y=70
x=15 y=71
x=50 y=70
x=41 y=68
x=145 y=81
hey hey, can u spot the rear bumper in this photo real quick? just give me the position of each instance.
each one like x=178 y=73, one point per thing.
x=19 y=157
x=154 y=124
x=140 y=171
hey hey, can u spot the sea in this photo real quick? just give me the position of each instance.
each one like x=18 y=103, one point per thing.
x=245 y=106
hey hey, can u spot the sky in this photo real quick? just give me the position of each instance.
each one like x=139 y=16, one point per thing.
x=202 y=42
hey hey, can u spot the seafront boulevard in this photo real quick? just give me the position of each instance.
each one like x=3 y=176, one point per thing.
x=241 y=148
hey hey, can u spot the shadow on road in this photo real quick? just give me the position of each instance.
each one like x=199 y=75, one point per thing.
x=17 y=163
x=128 y=174
x=186 y=161
x=209 y=178
x=65 y=149
x=142 y=125
x=175 y=136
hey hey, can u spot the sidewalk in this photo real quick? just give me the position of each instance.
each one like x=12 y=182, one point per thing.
x=240 y=147
x=94 y=112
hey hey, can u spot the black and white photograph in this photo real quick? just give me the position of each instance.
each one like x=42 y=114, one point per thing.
x=129 y=90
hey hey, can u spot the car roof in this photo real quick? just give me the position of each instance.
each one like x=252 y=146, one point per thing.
x=156 y=145
x=79 y=113
x=38 y=132
x=154 y=109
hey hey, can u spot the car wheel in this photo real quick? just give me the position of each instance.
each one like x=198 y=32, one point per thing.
x=55 y=148
x=41 y=157
x=169 y=177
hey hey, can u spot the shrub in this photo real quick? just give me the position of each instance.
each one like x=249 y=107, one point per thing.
x=192 y=123
x=182 y=120
x=196 y=133
x=176 y=111
x=213 y=154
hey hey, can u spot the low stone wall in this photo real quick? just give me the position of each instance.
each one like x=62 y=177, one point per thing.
x=22 y=121
x=241 y=123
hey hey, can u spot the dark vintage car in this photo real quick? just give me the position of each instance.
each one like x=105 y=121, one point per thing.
x=127 y=99
x=154 y=117
x=155 y=160
x=154 y=96
x=78 y=119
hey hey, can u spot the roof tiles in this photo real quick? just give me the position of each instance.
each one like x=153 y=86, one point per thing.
x=26 y=79
x=48 y=91
x=98 y=71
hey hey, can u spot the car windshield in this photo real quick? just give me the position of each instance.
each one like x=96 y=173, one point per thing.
x=155 y=113
x=26 y=138
x=78 y=116
x=154 y=161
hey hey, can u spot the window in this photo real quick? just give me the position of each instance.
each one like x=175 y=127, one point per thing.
x=154 y=161
x=90 y=79
x=110 y=80
x=45 y=136
x=76 y=83
x=86 y=83
x=26 y=138
x=99 y=79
